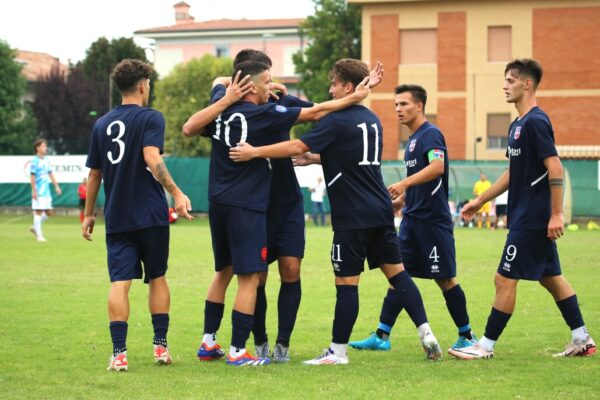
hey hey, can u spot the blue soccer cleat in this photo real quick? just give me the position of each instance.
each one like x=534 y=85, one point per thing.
x=373 y=342
x=206 y=353
x=247 y=360
x=463 y=342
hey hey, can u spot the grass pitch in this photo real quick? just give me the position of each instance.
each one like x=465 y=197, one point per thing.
x=56 y=343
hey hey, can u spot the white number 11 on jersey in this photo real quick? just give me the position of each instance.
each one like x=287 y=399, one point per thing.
x=365 y=160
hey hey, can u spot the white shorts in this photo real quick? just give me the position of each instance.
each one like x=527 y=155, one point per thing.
x=42 y=203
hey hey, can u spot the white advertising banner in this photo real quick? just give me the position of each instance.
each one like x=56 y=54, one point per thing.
x=67 y=169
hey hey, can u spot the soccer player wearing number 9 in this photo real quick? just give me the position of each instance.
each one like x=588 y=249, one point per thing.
x=426 y=237
x=125 y=152
x=534 y=181
x=350 y=143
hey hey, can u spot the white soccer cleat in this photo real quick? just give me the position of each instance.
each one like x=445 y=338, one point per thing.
x=327 y=358
x=431 y=346
x=474 y=352
x=41 y=239
x=579 y=348
x=118 y=362
x=162 y=355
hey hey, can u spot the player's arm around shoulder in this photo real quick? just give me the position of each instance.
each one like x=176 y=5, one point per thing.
x=158 y=168
x=320 y=110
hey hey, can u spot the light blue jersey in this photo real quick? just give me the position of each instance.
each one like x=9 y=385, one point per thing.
x=40 y=167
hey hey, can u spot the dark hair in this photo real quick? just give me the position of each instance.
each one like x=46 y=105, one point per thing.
x=252 y=55
x=528 y=67
x=251 y=68
x=417 y=92
x=349 y=70
x=38 y=143
x=129 y=72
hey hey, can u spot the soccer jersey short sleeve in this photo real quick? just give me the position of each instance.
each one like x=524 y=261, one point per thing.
x=282 y=118
x=322 y=135
x=93 y=158
x=542 y=137
x=154 y=135
x=217 y=93
x=292 y=101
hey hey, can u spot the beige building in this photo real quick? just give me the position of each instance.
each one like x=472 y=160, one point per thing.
x=458 y=50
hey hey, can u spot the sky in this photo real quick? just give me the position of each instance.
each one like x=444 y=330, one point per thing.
x=66 y=28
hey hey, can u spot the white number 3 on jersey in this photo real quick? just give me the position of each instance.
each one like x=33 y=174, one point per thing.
x=117 y=140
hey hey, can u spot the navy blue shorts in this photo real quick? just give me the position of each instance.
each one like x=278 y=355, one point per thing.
x=350 y=249
x=529 y=255
x=427 y=249
x=128 y=250
x=286 y=231
x=239 y=238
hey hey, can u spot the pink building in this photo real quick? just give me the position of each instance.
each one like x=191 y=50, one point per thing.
x=187 y=39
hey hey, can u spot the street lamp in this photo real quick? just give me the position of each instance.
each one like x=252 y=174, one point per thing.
x=478 y=139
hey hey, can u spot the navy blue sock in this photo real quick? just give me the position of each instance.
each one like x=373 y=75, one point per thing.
x=390 y=309
x=457 y=306
x=569 y=308
x=213 y=314
x=160 y=323
x=288 y=303
x=118 y=333
x=241 y=327
x=496 y=323
x=260 y=316
x=346 y=312
x=409 y=297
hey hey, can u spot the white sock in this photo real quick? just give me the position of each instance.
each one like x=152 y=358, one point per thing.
x=44 y=217
x=210 y=339
x=235 y=352
x=580 y=334
x=487 y=344
x=339 y=349
x=37 y=224
x=424 y=329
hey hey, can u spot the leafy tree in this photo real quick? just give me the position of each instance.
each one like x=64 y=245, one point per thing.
x=17 y=126
x=334 y=31
x=182 y=93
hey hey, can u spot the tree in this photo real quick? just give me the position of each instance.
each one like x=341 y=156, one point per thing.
x=183 y=92
x=334 y=31
x=17 y=126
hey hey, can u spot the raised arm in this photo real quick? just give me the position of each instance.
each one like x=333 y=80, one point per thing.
x=320 y=110
x=93 y=186
x=499 y=187
x=158 y=168
x=555 y=179
x=196 y=124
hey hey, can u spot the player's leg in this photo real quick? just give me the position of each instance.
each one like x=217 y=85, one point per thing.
x=582 y=343
x=288 y=304
x=456 y=302
x=259 y=330
x=242 y=320
x=118 y=313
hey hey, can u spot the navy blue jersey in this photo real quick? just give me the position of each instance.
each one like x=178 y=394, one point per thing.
x=350 y=144
x=428 y=201
x=134 y=198
x=245 y=184
x=530 y=141
x=284 y=187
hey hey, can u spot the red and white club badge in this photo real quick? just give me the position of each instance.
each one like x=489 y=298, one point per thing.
x=412 y=145
x=517 y=132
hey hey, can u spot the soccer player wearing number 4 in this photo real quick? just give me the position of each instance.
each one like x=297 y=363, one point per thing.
x=426 y=237
x=349 y=143
x=125 y=151
x=535 y=190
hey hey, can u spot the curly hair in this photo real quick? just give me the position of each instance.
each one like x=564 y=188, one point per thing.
x=129 y=72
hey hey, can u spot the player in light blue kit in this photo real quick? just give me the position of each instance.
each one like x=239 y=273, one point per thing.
x=41 y=197
x=535 y=217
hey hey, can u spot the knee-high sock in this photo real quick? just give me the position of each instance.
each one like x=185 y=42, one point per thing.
x=288 y=303
x=410 y=297
x=260 y=316
x=346 y=312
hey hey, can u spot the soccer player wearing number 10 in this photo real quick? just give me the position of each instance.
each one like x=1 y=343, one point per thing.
x=349 y=143
x=125 y=151
x=534 y=181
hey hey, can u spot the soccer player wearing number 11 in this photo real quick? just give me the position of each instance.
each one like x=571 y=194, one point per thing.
x=350 y=143
x=125 y=152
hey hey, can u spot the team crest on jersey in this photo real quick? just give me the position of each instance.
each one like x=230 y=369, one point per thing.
x=517 y=132
x=263 y=254
x=412 y=145
x=280 y=109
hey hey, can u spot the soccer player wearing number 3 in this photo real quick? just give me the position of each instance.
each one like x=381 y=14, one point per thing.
x=426 y=237
x=535 y=190
x=125 y=152
x=349 y=143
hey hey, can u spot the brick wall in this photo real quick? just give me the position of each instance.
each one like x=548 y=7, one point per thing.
x=387 y=114
x=451 y=118
x=576 y=120
x=385 y=47
x=452 y=51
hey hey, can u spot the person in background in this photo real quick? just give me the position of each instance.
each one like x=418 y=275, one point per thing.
x=41 y=197
x=81 y=193
x=317 y=194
